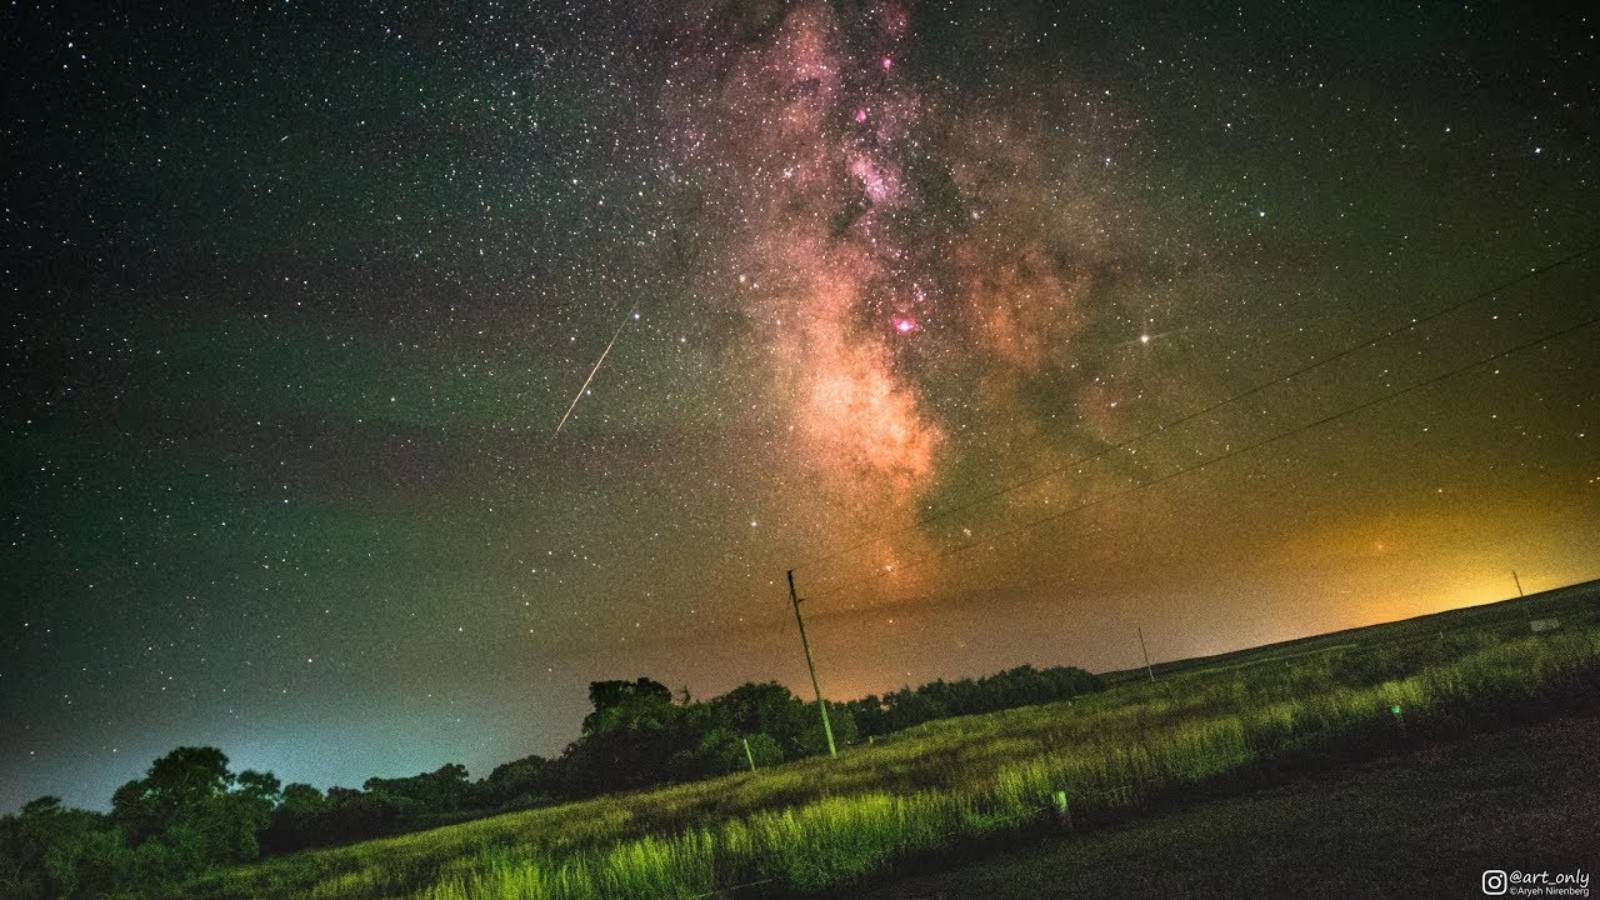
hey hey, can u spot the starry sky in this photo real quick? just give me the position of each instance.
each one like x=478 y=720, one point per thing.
x=298 y=301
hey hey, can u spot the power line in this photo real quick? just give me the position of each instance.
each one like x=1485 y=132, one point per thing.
x=1332 y=417
x=691 y=595
x=1049 y=574
x=943 y=512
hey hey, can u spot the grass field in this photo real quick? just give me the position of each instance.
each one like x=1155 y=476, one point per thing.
x=961 y=786
x=1524 y=798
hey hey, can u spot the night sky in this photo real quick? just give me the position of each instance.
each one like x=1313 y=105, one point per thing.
x=295 y=301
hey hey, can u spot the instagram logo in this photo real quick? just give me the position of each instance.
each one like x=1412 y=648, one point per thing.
x=1494 y=882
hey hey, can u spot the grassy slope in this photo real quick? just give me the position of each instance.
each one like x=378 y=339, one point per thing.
x=1423 y=825
x=1557 y=602
x=1185 y=727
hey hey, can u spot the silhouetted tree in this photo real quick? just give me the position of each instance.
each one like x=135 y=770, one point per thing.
x=522 y=782
x=299 y=805
x=442 y=790
x=51 y=851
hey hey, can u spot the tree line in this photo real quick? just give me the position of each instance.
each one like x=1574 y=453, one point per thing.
x=190 y=812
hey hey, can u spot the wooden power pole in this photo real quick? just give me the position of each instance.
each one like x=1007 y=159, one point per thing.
x=1147 y=669
x=1519 y=583
x=822 y=705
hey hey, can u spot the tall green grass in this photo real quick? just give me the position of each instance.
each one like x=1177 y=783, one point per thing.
x=819 y=825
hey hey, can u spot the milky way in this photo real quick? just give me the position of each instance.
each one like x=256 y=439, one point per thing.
x=895 y=248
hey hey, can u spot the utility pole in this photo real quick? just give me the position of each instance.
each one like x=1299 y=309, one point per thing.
x=822 y=705
x=1519 y=583
x=1147 y=670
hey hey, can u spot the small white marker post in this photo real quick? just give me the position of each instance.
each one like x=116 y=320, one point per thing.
x=1063 y=809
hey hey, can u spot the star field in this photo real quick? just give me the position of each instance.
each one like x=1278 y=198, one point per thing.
x=296 y=299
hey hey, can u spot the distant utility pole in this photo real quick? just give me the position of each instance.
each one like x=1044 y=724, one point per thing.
x=1519 y=583
x=822 y=705
x=1147 y=670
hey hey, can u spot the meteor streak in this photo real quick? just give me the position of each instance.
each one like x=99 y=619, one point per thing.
x=586 y=382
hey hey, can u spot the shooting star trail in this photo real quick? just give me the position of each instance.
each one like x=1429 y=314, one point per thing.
x=587 y=381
